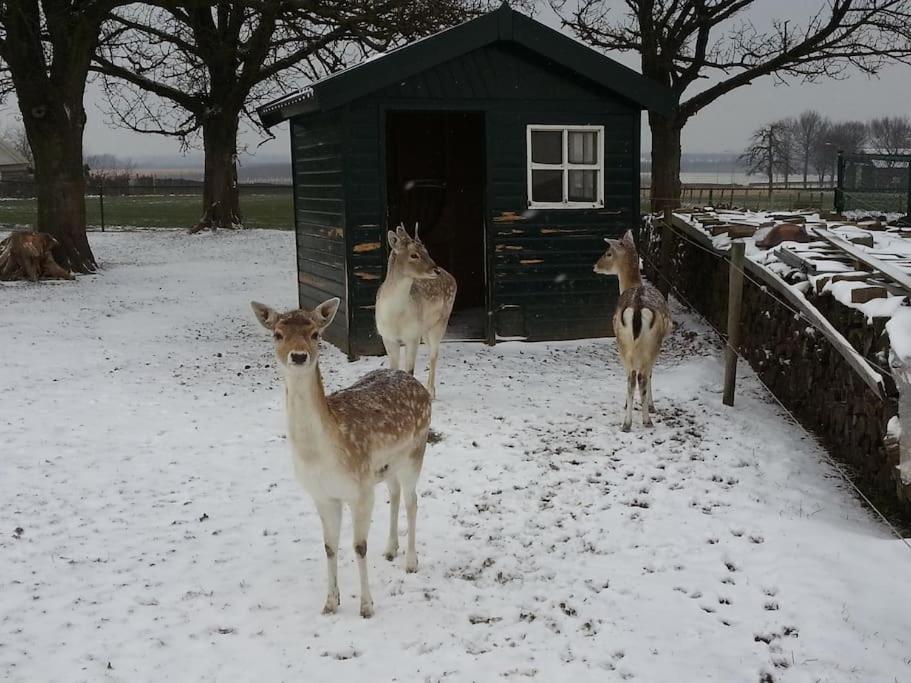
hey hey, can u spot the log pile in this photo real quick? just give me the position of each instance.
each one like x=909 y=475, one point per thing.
x=28 y=255
x=799 y=365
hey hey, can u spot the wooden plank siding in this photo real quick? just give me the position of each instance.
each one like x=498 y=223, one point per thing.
x=319 y=215
x=539 y=263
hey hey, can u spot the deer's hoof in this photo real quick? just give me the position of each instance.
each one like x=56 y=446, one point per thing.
x=391 y=553
x=411 y=565
x=331 y=605
x=626 y=427
x=367 y=609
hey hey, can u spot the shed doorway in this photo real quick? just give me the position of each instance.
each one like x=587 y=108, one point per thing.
x=435 y=163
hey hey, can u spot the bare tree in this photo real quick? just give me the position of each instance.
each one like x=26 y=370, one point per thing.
x=891 y=134
x=685 y=42
x=807 y=130
x=208 y=64
x=15 y=137
x=844 y=136
x=46 y=47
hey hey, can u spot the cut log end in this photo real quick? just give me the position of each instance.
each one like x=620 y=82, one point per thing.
x=28 y=255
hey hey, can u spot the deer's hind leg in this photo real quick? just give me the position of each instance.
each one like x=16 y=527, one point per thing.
x=434 y=338
x=408 y=478
x=395 y=495
x=630 y=393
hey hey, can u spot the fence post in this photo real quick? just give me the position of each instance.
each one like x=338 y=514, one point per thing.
x=735 y=301
x=101 y=200
x=840 y=183
x=664 y=260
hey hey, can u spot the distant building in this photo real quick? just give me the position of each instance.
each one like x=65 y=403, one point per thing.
x=13 y=166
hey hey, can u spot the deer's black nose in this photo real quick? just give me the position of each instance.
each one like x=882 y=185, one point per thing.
x=298 y=358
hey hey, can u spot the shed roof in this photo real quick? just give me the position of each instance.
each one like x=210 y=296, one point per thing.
x=503 y=25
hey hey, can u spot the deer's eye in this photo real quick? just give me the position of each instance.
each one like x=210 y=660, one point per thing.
x=278 y=336
x=314 y=336
x=414 y=256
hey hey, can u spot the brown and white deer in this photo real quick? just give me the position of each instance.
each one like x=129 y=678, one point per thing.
x=641 y=321
x=344 y=444
x=413 y=303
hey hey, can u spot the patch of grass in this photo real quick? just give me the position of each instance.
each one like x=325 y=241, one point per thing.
x=267 y=210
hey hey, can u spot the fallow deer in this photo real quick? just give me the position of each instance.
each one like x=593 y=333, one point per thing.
x=641 y=321
x=413 y=303
x=345 y=444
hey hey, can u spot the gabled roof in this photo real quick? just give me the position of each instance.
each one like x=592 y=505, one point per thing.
x=503 y=25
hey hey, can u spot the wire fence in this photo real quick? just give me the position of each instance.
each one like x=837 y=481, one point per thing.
x=673 y=286
x=152 y=205
x=881 y=180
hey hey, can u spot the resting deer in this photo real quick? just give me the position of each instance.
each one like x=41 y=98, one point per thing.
x=346 y=443
x=413 y=303
x=641 y=322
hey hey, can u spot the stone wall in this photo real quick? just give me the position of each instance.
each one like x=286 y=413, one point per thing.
x=800 y=366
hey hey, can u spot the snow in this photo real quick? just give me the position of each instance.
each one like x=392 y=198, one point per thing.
x=899 y=330
x=153 y=529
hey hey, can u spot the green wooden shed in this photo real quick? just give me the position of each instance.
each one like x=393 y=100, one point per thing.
x=514 y=147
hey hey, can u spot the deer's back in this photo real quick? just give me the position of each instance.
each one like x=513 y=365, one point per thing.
x=383 y=411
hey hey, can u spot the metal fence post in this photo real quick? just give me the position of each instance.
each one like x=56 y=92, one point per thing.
x=840 y=183
x=101 y=200
x=735 y=301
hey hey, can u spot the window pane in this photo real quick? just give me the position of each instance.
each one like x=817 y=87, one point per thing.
x=583 y=186
x=582 y=147
x=547 y=146
x=547 y=186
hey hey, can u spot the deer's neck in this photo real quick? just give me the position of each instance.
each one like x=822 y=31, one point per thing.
x=629 y=278
x=397 y=283
x=310 y=421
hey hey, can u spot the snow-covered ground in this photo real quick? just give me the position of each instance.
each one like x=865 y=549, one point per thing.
x=152 y=529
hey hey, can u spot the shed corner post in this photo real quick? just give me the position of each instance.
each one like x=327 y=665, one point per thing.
x=664 y=258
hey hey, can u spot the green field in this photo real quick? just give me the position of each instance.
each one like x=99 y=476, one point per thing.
x=267 y=210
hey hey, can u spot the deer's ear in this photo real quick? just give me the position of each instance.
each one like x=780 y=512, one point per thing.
x=267 y=316
x=628 y=237
x=392 y=239
x=326 y=311
x=400 y=231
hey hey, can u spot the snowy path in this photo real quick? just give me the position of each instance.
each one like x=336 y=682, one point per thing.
x=150 y=527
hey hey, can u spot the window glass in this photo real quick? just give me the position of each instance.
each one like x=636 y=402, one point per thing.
x=547 y=186
x=547 y=146
x=583 y=186
x=582 y=146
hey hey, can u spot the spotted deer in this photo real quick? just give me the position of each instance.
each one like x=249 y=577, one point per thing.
x=344 y=444
x=413 y=303
x=641 y=321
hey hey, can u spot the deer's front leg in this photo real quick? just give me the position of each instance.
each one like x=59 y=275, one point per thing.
x=361 y=512
x=330 y=514
x=411 y=354
x=392 y=350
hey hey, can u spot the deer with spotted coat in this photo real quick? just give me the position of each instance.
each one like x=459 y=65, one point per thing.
x=413 y=303
x=641 y=322
x=346 y=443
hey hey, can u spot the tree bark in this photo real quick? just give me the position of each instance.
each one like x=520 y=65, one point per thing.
x=221 y=198
x=60 y=184
x=666 y=155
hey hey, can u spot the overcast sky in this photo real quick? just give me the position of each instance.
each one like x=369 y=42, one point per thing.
x=724 y=126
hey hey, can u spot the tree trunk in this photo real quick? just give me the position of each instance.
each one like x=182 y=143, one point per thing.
x=221 y=199
x=60 y=186
x=666 y=155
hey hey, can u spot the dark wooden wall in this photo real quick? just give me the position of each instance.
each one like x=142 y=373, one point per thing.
x=319 y=210
x=539 y=263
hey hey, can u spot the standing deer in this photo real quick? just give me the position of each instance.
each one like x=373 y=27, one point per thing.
x=641 y=322
x=413 y=303
x=346 y=443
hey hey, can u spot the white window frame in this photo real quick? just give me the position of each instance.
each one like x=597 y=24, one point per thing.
x=566 y=167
